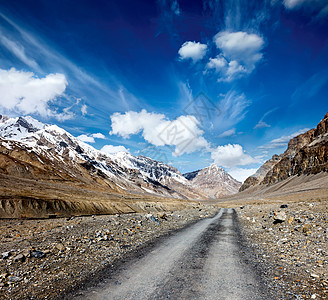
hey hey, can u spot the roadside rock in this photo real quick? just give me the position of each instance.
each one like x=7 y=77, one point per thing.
x=37 y=254
x=19 y=258
x=14 y=279
x=60 y=246
x=279 y=217
x=5 y=255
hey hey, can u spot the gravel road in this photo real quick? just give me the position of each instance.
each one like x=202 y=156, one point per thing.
x=203 y=261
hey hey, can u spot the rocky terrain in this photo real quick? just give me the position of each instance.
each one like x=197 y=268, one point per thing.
x=306 y=154
x=46 y=259
x=214 y=181
x=260 y=173
x=290 y=243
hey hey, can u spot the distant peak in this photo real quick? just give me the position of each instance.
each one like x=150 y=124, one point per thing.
x=215 y=166
x=3 y=118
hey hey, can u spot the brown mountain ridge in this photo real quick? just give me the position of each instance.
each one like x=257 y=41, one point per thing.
x=306 y=154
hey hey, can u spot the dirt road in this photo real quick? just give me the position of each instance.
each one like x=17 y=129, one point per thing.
x=203 y=261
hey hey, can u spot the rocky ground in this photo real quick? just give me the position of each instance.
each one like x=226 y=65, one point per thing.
x=45 y=259
x=48 y=258
x=291 y=243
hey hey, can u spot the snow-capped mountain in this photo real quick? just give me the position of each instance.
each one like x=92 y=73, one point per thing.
x=17 y=128
x=213 y=181
x=49 y=146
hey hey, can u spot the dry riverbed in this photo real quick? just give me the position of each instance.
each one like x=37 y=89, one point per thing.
x=291 y=243
x=45 y=259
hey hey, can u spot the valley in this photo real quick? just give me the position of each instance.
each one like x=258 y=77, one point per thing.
x=73 y=219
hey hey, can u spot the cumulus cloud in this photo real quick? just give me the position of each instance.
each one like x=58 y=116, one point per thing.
x=90 y=138
x=110 y=149
x=86 y=138
x=241 y=173
x=182 y=134
x=240 y=45
x=282 y=141
x=25 y=93
x=192 y=50
x=239 y=53
x=98 y=136
x=218 y=63
x=231 y=155
x=318 y=6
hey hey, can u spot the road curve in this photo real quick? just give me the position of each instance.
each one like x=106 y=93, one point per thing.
x=203 y=261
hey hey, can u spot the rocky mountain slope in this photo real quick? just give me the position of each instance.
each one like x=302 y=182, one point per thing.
x=34 y=150
x=306 y=154
x=213 y=181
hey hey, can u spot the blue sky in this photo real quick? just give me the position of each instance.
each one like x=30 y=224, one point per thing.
x=186 y=82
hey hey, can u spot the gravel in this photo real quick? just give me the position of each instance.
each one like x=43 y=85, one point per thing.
x=46 y=259
x=290 y=242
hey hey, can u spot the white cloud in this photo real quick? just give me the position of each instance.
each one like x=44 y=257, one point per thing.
x=233 y=108
x=134 y=122
x=90 y=138
x=318 y=6
x=234 y=70
x=240 y=52
x=84 y=110
x=25 y=93
x=19 y=51
x=240 y=45
x=231 y=155
x=227 y=133
x=240 y=173
x=86 y=138
x=98 y=136
x=50 y=58
x=110 y=149
x=282 y=141
x=182 y=134
x=218 y=63
x=193 y=50
x=261 y=123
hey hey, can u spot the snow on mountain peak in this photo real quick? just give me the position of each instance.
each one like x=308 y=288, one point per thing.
x=19 y=127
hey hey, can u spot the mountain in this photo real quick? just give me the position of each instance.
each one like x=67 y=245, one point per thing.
x=37 y=151
x=213 y=181
x=306 y=154
x=16 y=128
x=260 y=173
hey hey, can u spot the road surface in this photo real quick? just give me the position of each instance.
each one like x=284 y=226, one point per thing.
x=203 y=261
